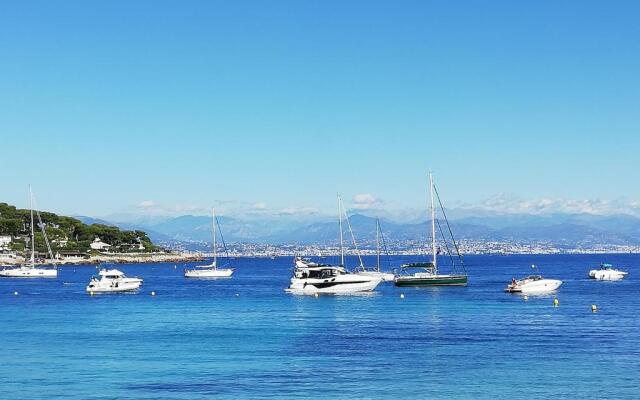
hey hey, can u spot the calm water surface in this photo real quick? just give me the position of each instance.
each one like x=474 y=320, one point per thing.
x=245 y=338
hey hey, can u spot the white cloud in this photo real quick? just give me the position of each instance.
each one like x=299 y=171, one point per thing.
x=299 y=211
x=510 y=204
x=365 y=201
x=147 y=204
x=261 y=206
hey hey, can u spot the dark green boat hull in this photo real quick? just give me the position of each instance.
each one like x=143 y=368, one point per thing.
x=455 y=280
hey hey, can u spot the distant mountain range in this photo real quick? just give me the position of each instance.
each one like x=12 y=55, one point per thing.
x=561 y=229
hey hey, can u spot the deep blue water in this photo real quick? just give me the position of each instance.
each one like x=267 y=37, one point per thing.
x=246 y=338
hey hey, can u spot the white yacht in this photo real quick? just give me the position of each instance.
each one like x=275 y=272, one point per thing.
x=211 y=270
x=533 y=284
x=313 y=278
x=112 y=281
x=30 y=269
x=606 y=272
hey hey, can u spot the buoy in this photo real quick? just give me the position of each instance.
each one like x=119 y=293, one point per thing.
x=237 y=294
x=175 y=267
x=402 y=295
x=315 y=294
x=91 y=293
x=153 y=293
x=594 y=308
x=525 y=297
x=15 y=293
x=556 y=303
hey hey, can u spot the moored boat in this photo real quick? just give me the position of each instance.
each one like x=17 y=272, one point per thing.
x=211 y=270
x=426 y=273
x=606 y=272
x=313 y=278
x=533 y=284
x=112 y=281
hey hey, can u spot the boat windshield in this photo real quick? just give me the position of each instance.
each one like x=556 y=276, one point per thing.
x=322 y=274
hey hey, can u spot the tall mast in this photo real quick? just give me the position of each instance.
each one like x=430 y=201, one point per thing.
x=341 y=239
x=378 y=241
x=213 y=226
x=433 y=224
x=33 y=235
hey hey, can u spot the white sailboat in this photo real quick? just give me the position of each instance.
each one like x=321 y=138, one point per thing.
x=30 y=269
x=211 y=270
x=361 y=269
x=426 y=273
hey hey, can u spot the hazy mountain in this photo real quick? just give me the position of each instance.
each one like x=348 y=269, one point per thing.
x=562 y=229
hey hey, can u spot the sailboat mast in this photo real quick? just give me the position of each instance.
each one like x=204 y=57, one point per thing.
x=33 y=234
x=213 y=226
x=433 y=224
x=341 y=238
x=378 y=242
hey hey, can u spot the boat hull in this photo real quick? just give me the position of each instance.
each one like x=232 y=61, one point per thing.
x=537 y=287
x=385 y=276
x=437 y=280
x=208 y=273
x=355 y=284
x=131 y=284
x=29 y=273
x=606 y=275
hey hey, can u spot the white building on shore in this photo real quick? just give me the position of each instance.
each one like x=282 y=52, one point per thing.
x=98 y=244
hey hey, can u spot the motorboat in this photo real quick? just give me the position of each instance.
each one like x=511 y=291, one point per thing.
x=427 y=273
x=211 y=270
x=533 y=284
x=606 y=272
x=31 y=269
x=112 y=281
x=314 y=278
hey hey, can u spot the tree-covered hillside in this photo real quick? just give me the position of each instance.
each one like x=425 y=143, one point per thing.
x=67 y=234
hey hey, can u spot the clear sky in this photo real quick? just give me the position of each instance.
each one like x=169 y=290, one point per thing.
x=105 y=105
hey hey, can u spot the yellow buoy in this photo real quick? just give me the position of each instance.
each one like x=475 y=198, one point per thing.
x=402 y=295
x=556 y=303
x=594 y=308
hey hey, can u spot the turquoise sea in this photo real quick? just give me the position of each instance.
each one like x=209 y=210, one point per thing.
x=246 y=338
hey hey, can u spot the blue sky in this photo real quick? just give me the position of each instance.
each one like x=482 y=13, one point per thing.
x=110 y=106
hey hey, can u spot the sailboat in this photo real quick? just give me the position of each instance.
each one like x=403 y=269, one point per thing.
x=362 y=270
x=426 y=273
x=30 y=269
x=211 y=270
x=315 y=278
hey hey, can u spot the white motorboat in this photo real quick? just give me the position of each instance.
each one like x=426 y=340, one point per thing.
x=533 y=284
x=112 y=281
x=30 y=269
x=313 y=278
x=606 y=272
x=211 y=270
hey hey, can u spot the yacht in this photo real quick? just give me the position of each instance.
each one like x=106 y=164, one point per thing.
x=112 y=281
x=30 y=269
x=314 y=278
x=533 y=284
x=606 y=272
x=211 y=270
x=426 y=273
